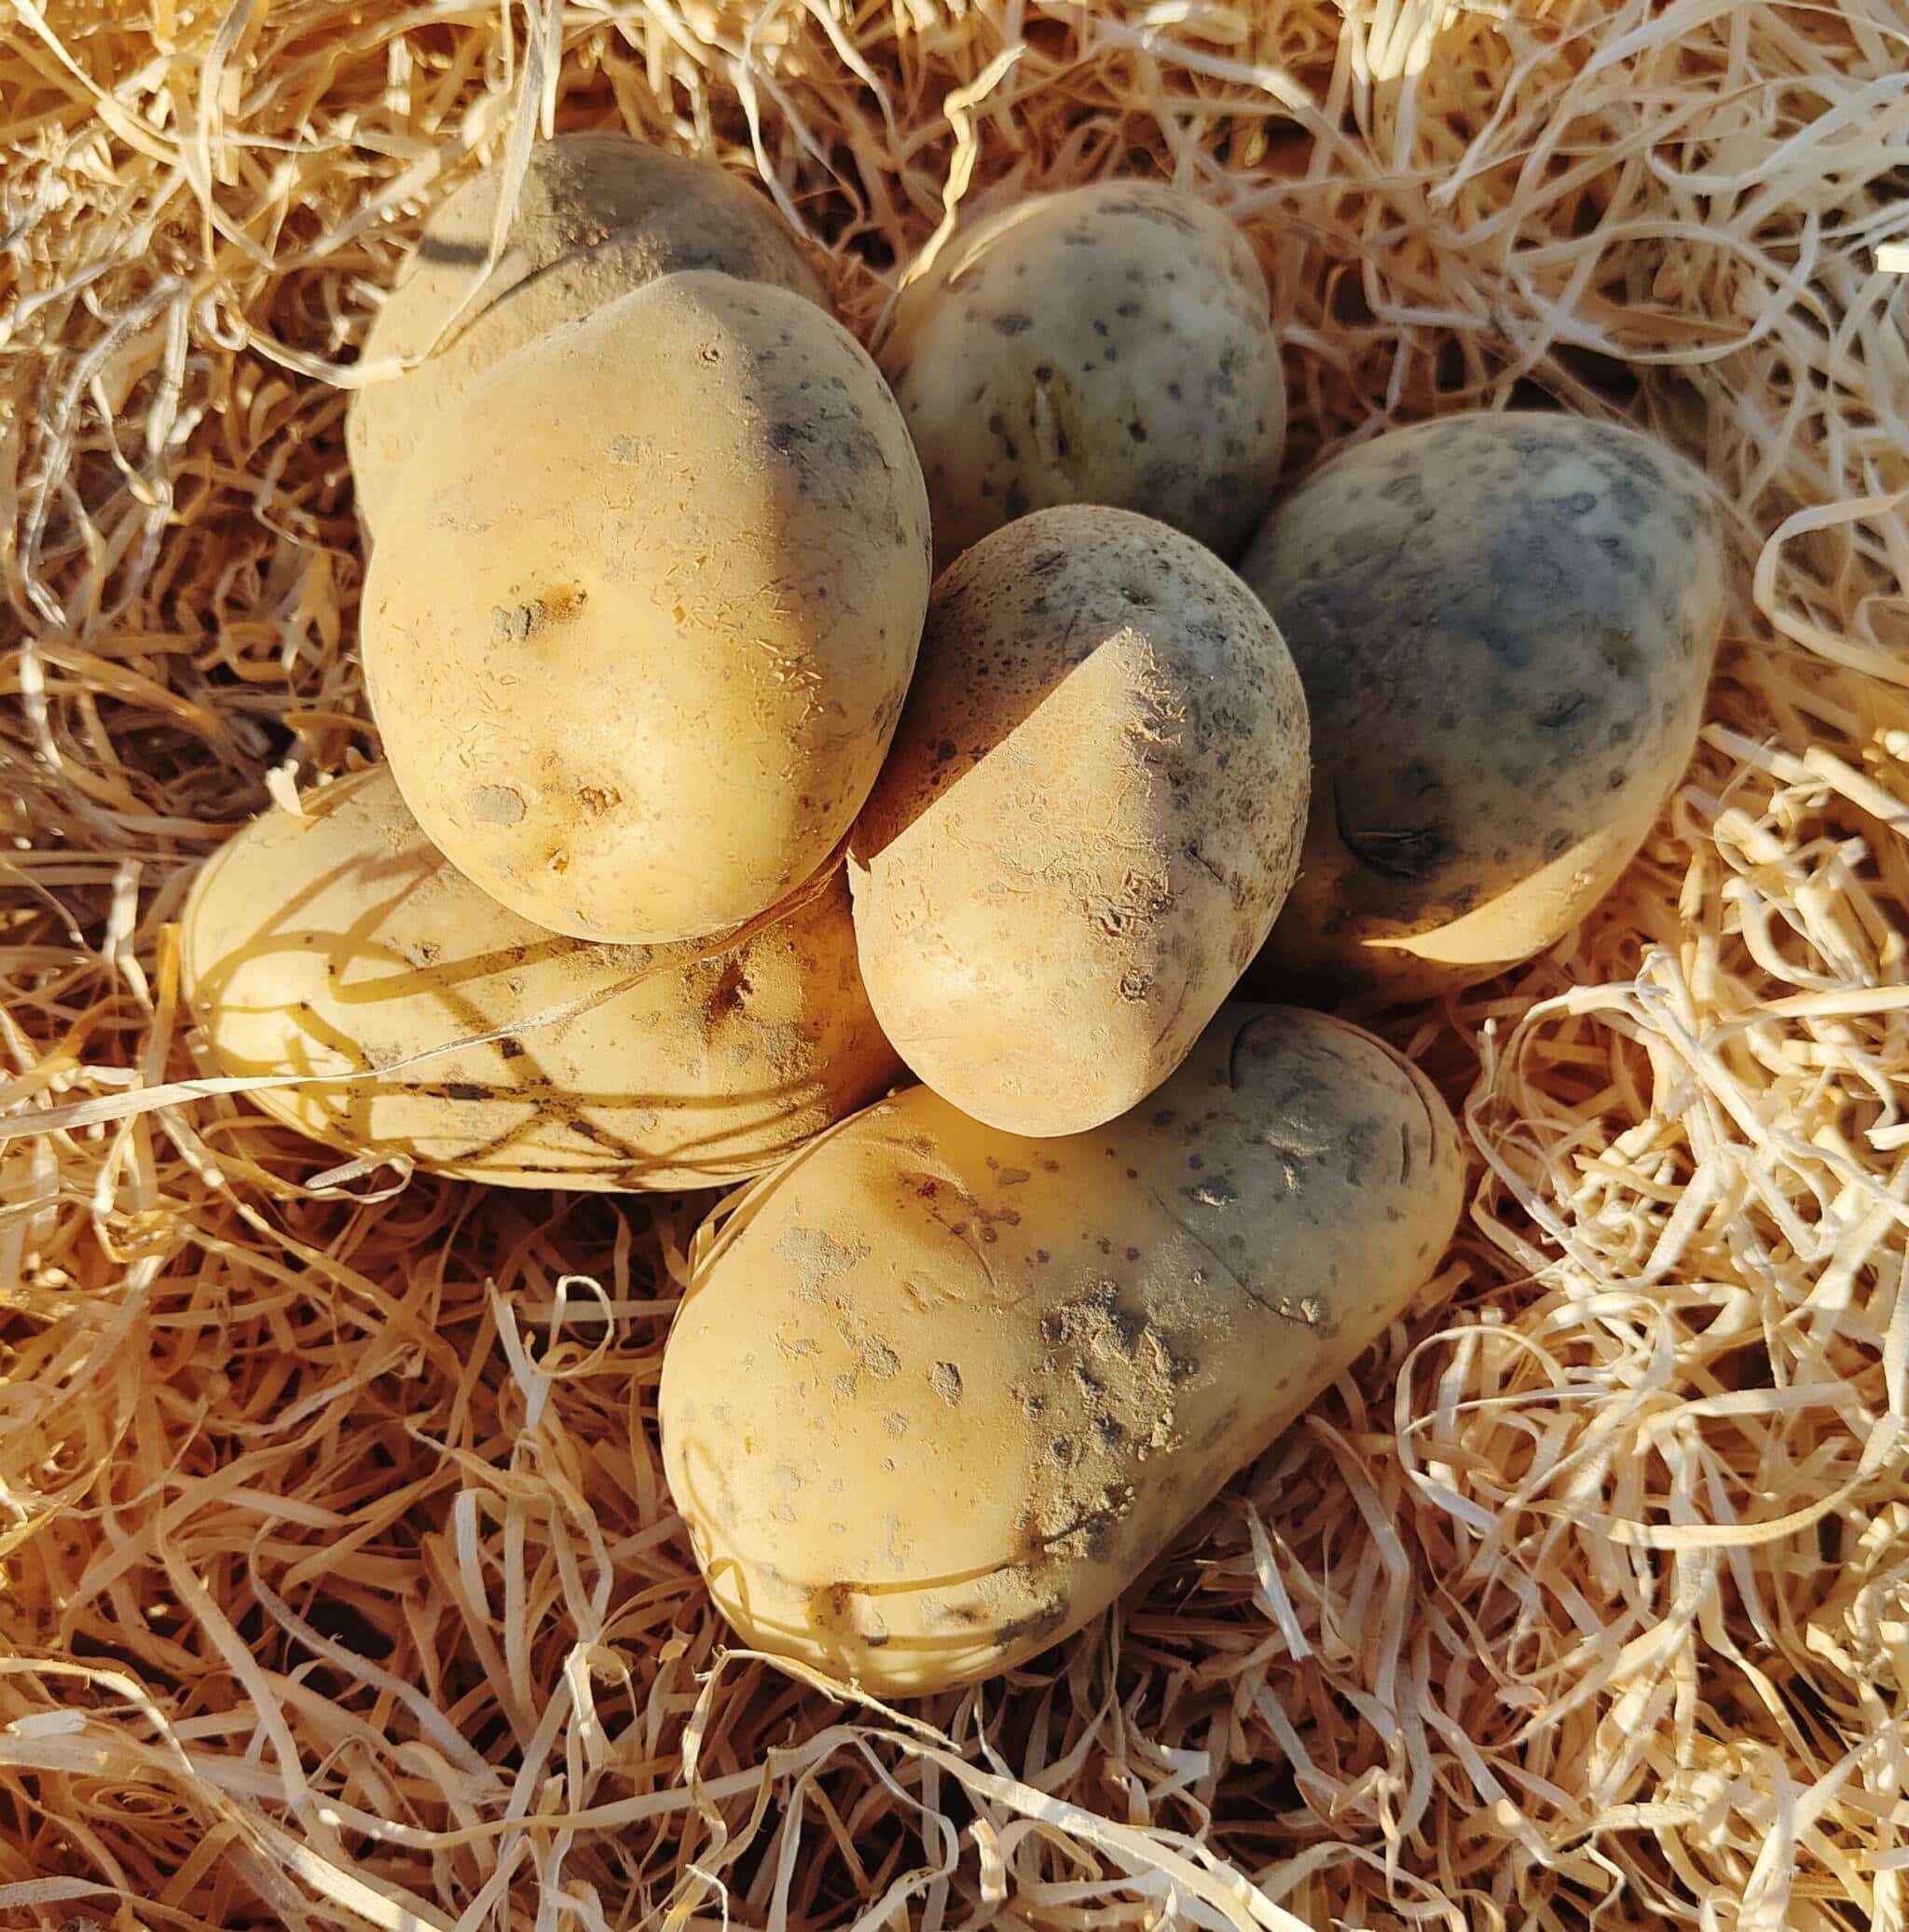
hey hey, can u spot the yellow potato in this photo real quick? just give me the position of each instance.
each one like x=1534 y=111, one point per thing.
x=598 y=215
x=938 y=1394
x=639 y=633
x=1505 y=625
x=345 y=941
x=1104 y=345
x=1090 y=817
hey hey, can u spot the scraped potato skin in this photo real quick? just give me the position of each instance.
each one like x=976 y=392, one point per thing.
x=1505 y=625
x=639 y=633
x=345 y=941
x=1090 y=815
x=1104 y=345
x=599 y=214
x=939 y=1395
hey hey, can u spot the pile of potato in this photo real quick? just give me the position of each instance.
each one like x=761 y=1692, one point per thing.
x=711 y=813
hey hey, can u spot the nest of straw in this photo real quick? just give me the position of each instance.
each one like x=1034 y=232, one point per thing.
x=337 y=1582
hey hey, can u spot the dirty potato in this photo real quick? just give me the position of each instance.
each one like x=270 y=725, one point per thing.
x=343 y=942
x=1104 y=345
x=1505 y=625
x=1090 y=817
x=638 y=632
x=938 y=1394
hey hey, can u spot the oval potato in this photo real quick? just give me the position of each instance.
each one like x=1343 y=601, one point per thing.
x=1505 y=625
x=938 y=1394
x=639 y=633
x=597 y=214
x=344 y=941
x=1108 y=344
x=1090 y=815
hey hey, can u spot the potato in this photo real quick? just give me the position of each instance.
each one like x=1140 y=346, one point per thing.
x=599 y=214
x=938 y=1394
x=345 y=941
x=1106 y=345
x=1092 y=813
x=1505 y=625
x=637 y=635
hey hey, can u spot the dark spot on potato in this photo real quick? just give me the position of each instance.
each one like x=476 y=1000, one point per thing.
x=1410 y=853
x=1012 y=322
x=1565 y=712
x=1032 y=1627
x=1619 y=651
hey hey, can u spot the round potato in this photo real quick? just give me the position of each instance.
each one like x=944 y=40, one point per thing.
x=938 y=1394
x=1505 y=625
x=343 y=941
x=1106 y=345
x=598 y=215
x=637 y=635
x=1091 y=814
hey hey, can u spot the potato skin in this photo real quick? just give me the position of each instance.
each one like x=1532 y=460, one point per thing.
x=345 y=940
x=639 y=633
x=1090 y=815
x=599 y=214
x=1105 y=345
x=1505 y=625
x=939 y=1394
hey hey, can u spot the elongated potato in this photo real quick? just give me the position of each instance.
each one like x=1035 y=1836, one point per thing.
x=346 y=942
x=1505 y=625
x=598 y=215
x=1108 y=344
x=938 y=1394
x=1090 y=815
x=639 y=633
